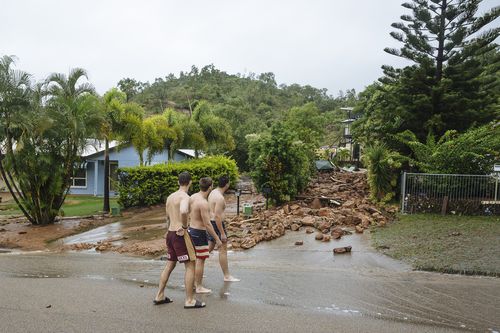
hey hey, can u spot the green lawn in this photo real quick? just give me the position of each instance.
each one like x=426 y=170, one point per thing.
x=448 y=244
x=75 y=205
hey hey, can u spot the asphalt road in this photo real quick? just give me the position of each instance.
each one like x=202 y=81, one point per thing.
x=284 y=288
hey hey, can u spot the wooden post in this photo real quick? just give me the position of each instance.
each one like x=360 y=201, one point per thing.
x=444 y=207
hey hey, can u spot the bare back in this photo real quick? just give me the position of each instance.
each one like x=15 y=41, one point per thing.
x=198 y=211
x=217 y=204
x=177 y=205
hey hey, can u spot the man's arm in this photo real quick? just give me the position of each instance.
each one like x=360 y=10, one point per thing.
x=218 y=211
x=184 y=210
x=205 y=215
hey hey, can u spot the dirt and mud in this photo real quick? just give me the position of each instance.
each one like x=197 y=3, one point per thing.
x=335 y=204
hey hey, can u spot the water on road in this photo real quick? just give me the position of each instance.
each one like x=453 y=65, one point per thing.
x=278 y=273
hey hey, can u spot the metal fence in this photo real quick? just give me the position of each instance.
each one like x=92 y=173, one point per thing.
x=459 y=194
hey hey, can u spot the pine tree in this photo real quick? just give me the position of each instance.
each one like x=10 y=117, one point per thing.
x=444 y=32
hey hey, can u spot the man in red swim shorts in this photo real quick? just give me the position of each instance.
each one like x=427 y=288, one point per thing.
x=179 y=245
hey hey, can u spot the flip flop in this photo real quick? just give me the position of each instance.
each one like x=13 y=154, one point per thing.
x=197 y=305
x=163 y=301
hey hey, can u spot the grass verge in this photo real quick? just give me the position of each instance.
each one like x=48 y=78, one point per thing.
x=75 y=205
x=448 y=244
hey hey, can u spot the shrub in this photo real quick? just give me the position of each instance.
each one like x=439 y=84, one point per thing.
x=150 y=185
x=382 y=164
x=472 y=152
x=281 y=161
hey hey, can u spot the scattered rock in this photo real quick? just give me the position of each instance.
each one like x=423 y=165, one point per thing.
x=359 y=229
x=48 y=306
x=309 y=230
x=326 y=238
x=308 y=221
x=248 y=243
x=319 y=236
x=316 y=204
x=344 y=249
x=324 y=211
x=295 y=227
x=337 y=232
x=299 y=243
x=22 y=232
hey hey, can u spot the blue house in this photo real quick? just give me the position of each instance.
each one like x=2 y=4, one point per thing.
x=89 y=179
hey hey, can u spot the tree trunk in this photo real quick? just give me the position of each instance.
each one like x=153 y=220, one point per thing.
x=21 y=207
x=106 y=177
x=441 y=37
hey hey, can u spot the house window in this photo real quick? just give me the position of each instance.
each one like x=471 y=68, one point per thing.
x=79 y=180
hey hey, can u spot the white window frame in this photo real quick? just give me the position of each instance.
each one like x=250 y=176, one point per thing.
x=86 y=180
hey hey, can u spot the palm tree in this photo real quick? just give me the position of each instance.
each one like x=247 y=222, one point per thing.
x=112 y=106
x=216 y=131
x=14 y=96
x=43 y=128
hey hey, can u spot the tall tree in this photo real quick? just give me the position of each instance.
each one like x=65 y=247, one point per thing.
x=216 y=131
x=440 y=31
x=43 y=129
x=112 y=106
x=453 y=83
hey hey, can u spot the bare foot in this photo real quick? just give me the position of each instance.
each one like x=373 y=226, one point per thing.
x=159 y=297
x=231 y=278
x=194 y=304
x=203 y=290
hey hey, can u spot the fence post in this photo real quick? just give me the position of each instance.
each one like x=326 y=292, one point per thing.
x=403 y=192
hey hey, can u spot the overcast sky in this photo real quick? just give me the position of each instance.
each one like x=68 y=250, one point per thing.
x=333 y=44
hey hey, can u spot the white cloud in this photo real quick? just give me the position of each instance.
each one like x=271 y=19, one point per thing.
x=334 y=44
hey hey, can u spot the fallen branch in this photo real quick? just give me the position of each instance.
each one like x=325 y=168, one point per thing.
x=338 y=181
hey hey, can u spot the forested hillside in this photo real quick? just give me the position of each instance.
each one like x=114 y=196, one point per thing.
x=250 y=103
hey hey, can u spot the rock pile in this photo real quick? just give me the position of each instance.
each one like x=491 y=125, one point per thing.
x=332 y=200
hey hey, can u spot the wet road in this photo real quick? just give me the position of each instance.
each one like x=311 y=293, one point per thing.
x=291 y=286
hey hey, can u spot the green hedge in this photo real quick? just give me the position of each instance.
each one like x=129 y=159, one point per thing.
x=150 y=185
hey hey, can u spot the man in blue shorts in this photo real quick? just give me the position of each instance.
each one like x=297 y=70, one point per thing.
x=198 y=227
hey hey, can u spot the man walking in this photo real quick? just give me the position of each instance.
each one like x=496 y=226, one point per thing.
x=198 y=228
x=217 y=206
x=179 y=245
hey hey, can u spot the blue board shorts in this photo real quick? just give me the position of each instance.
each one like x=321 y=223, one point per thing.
x=217 y=231
x=200 y=242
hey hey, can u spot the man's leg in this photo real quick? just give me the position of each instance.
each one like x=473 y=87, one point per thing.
x=198 y=277
x=189 y=283
x=211 y=246
x=224 y=265
x=169 y=267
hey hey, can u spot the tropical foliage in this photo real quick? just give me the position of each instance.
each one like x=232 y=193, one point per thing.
x=43 y=129
x=472 y=152
x=382 y=165
x=280 y=161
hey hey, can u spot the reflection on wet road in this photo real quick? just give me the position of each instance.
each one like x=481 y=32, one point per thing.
x=363 y=283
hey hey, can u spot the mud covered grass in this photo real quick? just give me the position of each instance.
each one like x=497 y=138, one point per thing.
x=75 y=205
x=448 y=244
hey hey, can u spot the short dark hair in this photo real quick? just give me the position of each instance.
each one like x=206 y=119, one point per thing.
x=205 y=183
x=223 y=180
x=184 y=178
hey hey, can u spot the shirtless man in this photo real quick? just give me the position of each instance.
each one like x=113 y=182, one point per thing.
x=217 y=206
x=179 y=245
x=198 y=227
